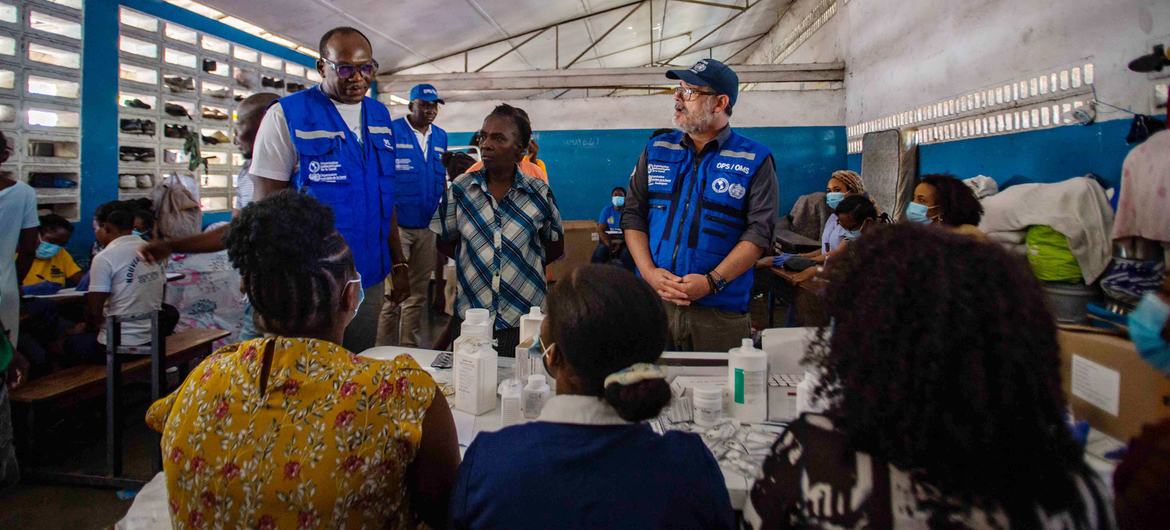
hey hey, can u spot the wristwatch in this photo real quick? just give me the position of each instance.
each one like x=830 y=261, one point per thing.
x=716 y=282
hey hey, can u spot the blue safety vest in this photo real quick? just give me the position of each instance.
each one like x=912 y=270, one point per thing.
x=698 y=208
x=354 y=178
x=420 y=183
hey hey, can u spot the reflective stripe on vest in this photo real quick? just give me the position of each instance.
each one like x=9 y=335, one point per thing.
x=698 y=208
x=420 y=182
x=354 y=178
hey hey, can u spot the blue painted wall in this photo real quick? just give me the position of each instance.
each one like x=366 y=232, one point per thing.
x=99 y=96
x=584 y=166
x=1047 y=155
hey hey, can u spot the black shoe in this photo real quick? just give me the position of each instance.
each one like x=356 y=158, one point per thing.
x=209 y=65
x=147 y=155
x=267 y=81
x=210 y=140
x=136 y=104
x=148 y=127
x=175 y=109
x=179 y=84
x=129 y=126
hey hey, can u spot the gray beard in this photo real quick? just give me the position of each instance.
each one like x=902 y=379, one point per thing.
x=691 y=123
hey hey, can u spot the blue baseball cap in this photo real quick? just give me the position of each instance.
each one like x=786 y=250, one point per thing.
x=425 y=92
x=710 y=73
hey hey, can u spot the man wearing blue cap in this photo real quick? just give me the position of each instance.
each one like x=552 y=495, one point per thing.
x=335 y=143
x=700 y=211
x=420 y=181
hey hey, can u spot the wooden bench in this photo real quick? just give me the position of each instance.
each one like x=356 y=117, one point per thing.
x=84 y=383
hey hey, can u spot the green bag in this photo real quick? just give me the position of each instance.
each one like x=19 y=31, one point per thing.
x=1049 y=256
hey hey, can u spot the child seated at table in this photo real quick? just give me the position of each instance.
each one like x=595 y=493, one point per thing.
x=120 y=284
x=53 y=264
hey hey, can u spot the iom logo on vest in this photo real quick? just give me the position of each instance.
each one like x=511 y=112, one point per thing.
x=722 y=185
x=325 y=171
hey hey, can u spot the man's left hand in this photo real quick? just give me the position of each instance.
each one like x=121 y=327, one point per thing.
x=400 y=280
x=695 y=286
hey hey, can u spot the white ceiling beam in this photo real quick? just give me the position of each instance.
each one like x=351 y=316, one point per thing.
x=602 y=78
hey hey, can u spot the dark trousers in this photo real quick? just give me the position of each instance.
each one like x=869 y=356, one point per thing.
x=84 y=348
x=622 y=257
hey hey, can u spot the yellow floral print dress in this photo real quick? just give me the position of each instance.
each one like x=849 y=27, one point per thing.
x=327 y=444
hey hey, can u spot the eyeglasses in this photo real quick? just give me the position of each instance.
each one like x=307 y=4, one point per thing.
x=689 y=94
x=346 y=70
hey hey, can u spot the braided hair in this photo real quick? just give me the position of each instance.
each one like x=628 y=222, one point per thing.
x=294 y=263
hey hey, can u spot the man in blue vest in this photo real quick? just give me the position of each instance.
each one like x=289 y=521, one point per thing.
x=337 y=145
x=700 y=211
x=419 y=184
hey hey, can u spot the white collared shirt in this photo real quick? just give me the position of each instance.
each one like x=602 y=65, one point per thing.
x=423 y=138
x=580 y=410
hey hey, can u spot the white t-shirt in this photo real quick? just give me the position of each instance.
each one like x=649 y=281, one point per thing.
x=244 y=186
x=18 y=211
x=134 y=287
x=274 y=156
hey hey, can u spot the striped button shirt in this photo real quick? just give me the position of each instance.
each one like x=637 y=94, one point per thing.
x=499 y=265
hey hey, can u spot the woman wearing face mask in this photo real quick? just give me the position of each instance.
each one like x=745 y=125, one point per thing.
x=291 y=430
x=1141 y=499
x=842 y=184
x=586 y=463
x=855 y=214
x=944 y=200
x=609 y=232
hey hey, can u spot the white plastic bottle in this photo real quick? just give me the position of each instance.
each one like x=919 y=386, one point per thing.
x=510 y=398
x=536 y=393
x=475 y=364
x=747 y=383
x=708 y=405
x=528 y=358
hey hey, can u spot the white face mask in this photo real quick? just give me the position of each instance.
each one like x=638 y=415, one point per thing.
x=361 y=295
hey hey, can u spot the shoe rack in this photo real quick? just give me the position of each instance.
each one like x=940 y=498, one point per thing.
x=40 y=98
x=172 y=77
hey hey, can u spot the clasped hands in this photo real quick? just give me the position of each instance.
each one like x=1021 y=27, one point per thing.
x=677 y=290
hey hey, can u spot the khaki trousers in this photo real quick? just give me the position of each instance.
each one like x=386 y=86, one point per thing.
x=399 y=324
x=705 y=329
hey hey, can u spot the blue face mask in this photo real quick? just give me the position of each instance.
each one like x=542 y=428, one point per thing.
x=852 y=234
x=916 y=212
x=1145 y=329
x=140 y=234
x=47 y=250
x=833 y=198
x=618 y=202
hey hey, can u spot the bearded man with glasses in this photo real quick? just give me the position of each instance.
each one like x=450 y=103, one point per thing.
x=336 y=144
x=700 y=210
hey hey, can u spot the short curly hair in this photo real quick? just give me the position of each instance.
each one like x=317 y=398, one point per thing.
x=956 y=200
x=946 y=364
x=293 y=262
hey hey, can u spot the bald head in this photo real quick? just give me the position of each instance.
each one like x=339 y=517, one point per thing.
x=249 y=113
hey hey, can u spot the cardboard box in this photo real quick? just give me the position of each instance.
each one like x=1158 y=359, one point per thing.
x=1110 y=385
x=580 y=240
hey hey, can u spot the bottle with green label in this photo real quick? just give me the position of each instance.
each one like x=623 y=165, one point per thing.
x=747 y=383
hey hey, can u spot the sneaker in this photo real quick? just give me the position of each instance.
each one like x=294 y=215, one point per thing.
x=214 y=114
x=127 y=181
x=175 y=109
x=145 y=181
x=130 y=126
x=209 y=65
x=223 y=138
x=136 y=104
x=147 y=155
x=127 y=154
x=148 y=127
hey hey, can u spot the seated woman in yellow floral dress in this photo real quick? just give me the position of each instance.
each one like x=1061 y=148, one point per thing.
x=291 y=430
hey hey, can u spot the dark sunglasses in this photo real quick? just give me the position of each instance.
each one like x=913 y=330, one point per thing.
x=346 y=70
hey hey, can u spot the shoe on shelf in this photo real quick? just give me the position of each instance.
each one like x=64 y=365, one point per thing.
x=214 y=114
x=127 y=156
x=127 y=181
x=223 y=138
x=210 y=140
x=222 y=93
x=148 y=127
x=130 y=126
x=209 y=65
x=243 y=78
x=179 y=84
x=172 y=130
x=175 y=109
x=51 y=180
x=146 y=156
x=267 y=81
x=145 y=181
x=136 y=104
